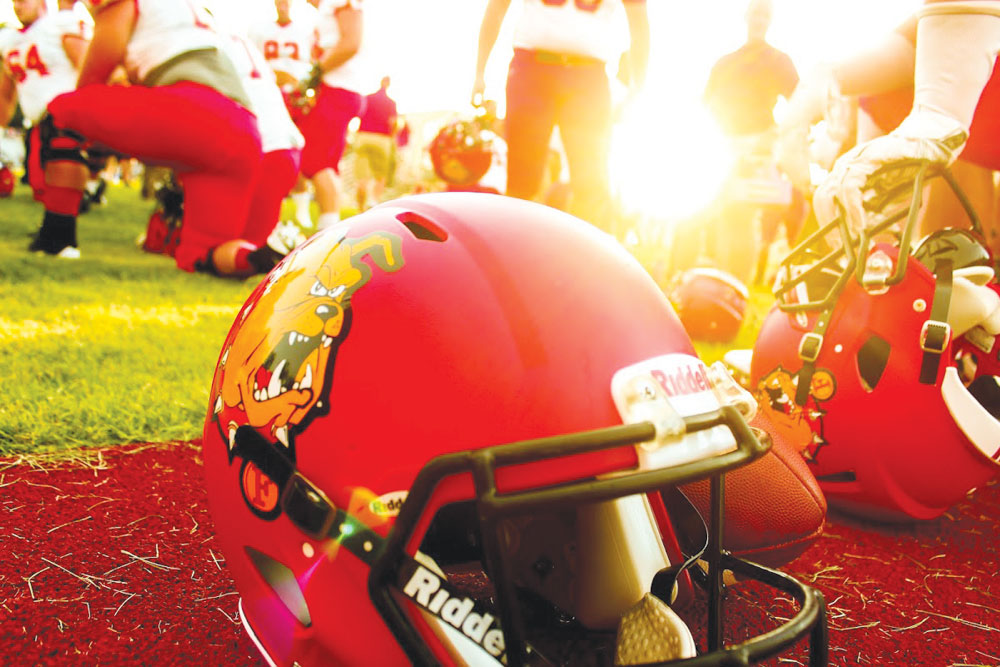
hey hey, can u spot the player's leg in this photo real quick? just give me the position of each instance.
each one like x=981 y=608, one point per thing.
x=302 y=197
x=33 y=164
x=584 y=120
x=64 y=167
x=279 y=171
x=529 y=123
x=363 y=173
x=212 y=142
x=325 y=131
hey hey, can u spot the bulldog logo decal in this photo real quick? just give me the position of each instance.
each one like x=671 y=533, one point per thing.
x=800 y=424
x=277 y=378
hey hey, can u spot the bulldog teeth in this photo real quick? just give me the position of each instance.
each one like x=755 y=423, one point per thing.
x=307 y=378
x=281 y=433
x=327 y=341
x=218 y=404
x=295 y=337
x=232 y=437
x=274 y=386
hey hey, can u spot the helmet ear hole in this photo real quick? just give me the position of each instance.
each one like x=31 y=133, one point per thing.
x=872 y=359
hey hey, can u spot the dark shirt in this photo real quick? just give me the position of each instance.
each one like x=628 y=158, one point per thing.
x=744 y=86
x=380 y=112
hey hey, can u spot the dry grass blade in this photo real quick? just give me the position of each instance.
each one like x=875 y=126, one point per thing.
x=911 y=627
x=971 y=624
x=147 y=561
x=131 y=595
x=68 y=523
x=857 y=627
x=987 y=655
x=31 y=590
x=216 y=597
x=85 y=579
x=234 y=619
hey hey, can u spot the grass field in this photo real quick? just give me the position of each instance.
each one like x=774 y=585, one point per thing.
x=120 y=346
x=116 y=347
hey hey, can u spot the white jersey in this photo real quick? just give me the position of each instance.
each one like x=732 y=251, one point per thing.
x=277 y=131
x=164 y=29
x=588 y=28
x=355 y=74
x=288 y=48
x=37 y=60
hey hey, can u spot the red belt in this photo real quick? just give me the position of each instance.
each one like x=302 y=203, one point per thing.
x=554 y=58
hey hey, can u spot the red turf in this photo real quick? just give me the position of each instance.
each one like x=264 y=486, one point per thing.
x=115 y=565
x=920 y=594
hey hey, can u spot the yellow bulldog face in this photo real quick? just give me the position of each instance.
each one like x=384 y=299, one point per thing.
x=276 y=368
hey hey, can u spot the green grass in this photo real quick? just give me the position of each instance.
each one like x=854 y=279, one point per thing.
x=116 y=347
x=120 y=346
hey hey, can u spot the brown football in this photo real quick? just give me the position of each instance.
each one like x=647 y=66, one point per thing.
x=774 y=508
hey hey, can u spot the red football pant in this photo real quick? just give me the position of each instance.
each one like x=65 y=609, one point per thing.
x=541 y=96
x=279 y=172
x=325 y=129
x=36 y=174
x=210 y=141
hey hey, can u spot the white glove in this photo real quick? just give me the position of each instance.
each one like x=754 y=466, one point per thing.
x=872 y=175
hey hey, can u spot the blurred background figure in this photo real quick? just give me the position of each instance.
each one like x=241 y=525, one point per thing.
x=281 y=143
x=375 y=146
x=558 y=78
x=342 y=63
x=288 y=43
x=185 y=108
x=742 y=90
x=41 y=62
x=961 y=94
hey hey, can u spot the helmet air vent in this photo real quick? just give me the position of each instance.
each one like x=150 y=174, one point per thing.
x=872 y=359
x=422 y=228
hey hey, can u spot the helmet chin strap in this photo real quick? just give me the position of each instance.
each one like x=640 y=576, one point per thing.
x=935 y=335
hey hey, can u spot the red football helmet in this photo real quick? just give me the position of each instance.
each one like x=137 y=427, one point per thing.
x=711 y=303
x=6 y=181
x=447 y=418
x=462 y=152
x=861 y=363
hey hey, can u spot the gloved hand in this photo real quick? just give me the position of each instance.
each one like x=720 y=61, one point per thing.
x=871 y=176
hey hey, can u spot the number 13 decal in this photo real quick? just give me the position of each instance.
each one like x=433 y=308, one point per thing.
x=583 y=5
